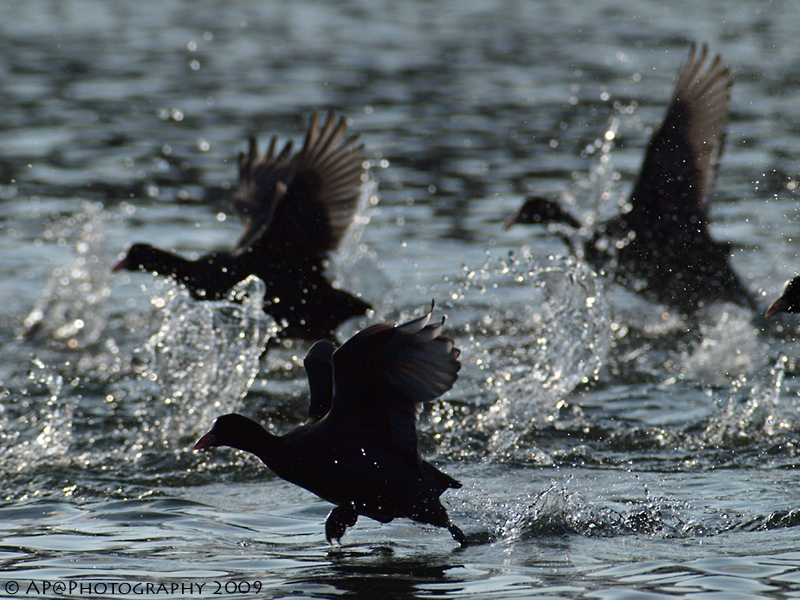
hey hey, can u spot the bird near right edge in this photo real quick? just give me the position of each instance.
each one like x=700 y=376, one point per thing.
x=358 y=449
x=662 y=247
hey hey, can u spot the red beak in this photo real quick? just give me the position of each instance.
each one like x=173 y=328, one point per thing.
x=778 y=306
x=207 y=441
x=511 y=220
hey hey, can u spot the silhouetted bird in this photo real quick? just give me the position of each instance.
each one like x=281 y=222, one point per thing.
x=660 y=246
x=789 y=300
x=361 y=454
x=295 y=210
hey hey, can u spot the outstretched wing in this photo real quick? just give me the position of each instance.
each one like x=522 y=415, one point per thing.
x=383 y=374
x=671 y=249
x=319 y=370
x=300 y=205
x=680 y=165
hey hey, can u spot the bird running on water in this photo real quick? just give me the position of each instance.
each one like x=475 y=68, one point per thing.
x=660 y=246
x=358 y=448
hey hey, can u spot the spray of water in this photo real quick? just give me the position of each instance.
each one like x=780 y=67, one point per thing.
x=72 y=311
x=206 y=355
x=730 y=347
x=36 y=429
x=759 y=415
x=558 y=510
x=556 y=338
x=354 y=266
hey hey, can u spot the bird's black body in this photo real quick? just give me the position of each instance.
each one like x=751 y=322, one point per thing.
x=296 y=209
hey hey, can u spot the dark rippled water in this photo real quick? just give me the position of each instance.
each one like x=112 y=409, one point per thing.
x=605 y=451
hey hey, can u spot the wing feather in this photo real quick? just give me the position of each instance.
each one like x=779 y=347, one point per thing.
x=383 y=374
x=682 y=158
x=300 y=205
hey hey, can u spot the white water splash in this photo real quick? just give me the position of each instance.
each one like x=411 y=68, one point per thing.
x=596 y=194
x=72 y=309
x=558 y=510
x=355 y=268
x=537 y=331
x=55 y=417
x=730 y=347
x=44 y=431
x=760 y=415
x=561 y=341
x=206 y=355
x=571 y=340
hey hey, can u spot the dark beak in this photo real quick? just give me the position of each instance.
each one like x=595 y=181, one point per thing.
x=119 y=266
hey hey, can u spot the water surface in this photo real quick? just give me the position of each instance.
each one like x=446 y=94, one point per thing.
x=607 y=449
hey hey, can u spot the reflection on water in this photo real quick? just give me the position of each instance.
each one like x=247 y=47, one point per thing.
x=359 y=575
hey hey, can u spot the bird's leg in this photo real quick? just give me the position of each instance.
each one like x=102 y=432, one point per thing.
x=339 y=519
x=457 y=534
